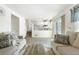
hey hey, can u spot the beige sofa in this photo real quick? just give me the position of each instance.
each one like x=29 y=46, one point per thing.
x=72 y=49
x=17 y=49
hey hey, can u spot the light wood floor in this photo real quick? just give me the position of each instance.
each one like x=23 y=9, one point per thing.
x=38 y=49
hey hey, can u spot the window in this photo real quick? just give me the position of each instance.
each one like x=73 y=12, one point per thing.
x=75 y=14
x=58 y=26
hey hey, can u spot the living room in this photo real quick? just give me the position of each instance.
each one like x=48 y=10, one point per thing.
x=26 y=30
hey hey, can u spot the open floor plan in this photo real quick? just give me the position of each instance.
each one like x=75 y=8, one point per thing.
x=39 y=29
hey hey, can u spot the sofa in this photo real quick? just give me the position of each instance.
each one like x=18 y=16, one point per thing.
x=67 y=49
x=10 y=44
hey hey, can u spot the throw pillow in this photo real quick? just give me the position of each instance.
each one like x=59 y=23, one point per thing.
x=62 y=39
x=4 y=40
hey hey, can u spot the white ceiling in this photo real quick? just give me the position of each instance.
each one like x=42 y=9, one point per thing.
x=38 y=10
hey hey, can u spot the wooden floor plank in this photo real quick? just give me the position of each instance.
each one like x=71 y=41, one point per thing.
x=38 y=49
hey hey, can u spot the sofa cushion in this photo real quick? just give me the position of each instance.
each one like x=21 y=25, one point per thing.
x=4 y=40
x=62 y=39
x=68 y=50
x=72 y=37
x=8 y=50
x=76 y=42
x=55 y=45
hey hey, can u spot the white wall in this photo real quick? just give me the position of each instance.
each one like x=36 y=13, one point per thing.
x=75 y=26
x=29 y=24
x=22 y=27
x=5 y=21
